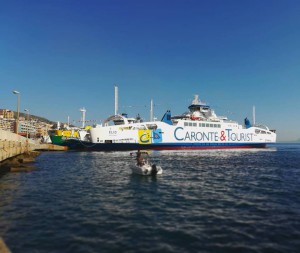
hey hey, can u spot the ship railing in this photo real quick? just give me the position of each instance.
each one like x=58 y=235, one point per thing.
x=228 y=121
x=261 y=126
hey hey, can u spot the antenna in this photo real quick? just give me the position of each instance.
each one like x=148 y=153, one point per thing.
x=196 y=100
x=83 y=110
x=253 y=115
x=116 y=99
x=151 y=110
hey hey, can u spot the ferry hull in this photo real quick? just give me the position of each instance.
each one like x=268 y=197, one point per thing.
x=57 y=140
x=199 y=129
x=88 y=146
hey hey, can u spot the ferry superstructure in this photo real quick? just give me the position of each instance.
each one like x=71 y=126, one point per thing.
x=200 y=128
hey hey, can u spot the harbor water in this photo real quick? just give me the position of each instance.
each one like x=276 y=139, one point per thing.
x=205 y=201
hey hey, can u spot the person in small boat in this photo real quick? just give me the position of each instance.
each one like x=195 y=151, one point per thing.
x=140 y=159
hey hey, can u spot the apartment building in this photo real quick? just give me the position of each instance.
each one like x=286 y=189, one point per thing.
x=6 y=114
x=34 y=128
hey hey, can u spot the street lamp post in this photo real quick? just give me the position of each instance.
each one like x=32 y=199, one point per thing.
x=18 y=110
x=26 y=110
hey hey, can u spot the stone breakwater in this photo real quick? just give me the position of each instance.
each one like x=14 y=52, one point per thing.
x=3 y=247
x=16 y=152
x=19 y=163
x=10 y=148
x=12 y=145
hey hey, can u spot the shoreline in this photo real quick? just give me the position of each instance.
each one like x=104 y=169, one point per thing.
x=20 y=163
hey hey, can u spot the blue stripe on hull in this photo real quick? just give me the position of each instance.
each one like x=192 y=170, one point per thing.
x=77 y=145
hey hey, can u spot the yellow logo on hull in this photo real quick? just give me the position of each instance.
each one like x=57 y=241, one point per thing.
x=144 y=136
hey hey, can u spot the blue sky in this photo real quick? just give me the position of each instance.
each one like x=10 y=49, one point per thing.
x=64 y=55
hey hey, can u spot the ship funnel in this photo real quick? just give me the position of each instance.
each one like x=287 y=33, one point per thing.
x=167 y=118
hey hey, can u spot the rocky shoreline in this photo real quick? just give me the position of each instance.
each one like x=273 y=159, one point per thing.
x=20 y=163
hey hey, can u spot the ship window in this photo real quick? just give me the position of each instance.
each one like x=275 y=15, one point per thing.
x=207 y=125
x=211 y=125
x=152 y=126
x=97 y=139
x=203 y=124
x=190 y=124
x=257 y=131
x=219 y=125
x=194 y=124
x=186 y=123
x=215 y=125
x=142 y=127
x=200 y=125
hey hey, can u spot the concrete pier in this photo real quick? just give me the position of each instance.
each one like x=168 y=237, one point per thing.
x=12 y=145
x=3 y=247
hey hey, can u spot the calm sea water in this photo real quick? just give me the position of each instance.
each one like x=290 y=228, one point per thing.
x=205 y=201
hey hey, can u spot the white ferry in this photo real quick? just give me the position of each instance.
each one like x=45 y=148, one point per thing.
x=200 y=128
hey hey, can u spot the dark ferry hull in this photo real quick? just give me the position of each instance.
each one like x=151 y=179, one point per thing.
x=88 y=146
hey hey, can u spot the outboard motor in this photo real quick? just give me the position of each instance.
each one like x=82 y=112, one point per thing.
x=154 y=170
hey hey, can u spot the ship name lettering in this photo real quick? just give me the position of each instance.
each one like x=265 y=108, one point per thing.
x=238 y=136
x=195 y=136
x=175 y=134
x=181 y=135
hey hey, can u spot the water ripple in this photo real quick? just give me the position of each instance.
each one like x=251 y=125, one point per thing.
x=205 y=201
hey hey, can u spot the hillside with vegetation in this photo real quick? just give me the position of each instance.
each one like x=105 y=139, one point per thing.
x=38 y=118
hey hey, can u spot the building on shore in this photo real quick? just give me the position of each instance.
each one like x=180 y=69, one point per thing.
x=7 y=124
x=27 y=127
x=33 y=128
x=6 y=114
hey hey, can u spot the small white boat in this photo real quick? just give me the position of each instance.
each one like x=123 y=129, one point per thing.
x=147 y=169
